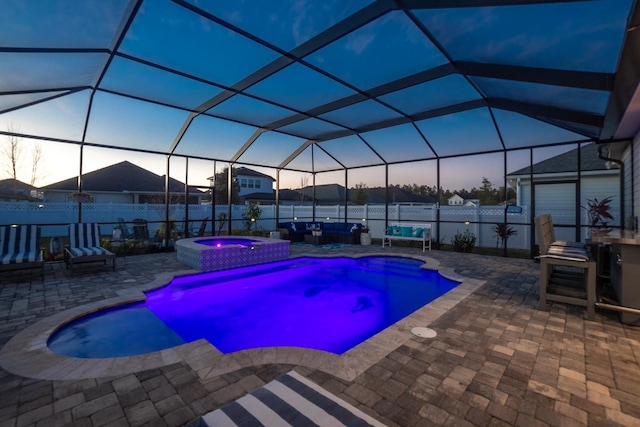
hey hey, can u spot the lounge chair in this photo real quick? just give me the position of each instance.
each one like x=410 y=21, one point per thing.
x=126 y=233
x=567 y=269
x=20 y=247
x=84 y=245
x=202 y=228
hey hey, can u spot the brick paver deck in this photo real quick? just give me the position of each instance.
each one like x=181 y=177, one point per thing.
x=497 y=358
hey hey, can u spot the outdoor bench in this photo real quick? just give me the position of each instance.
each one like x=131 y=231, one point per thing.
x=408 y=231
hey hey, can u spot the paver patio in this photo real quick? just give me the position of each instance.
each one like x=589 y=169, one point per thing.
x=497 y=358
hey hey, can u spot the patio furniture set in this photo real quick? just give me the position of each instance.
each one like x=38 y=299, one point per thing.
x=318 y=232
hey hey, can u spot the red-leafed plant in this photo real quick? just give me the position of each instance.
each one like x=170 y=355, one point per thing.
x=598 y=212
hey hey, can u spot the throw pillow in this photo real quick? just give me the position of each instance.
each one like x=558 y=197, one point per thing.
x=389 y=231
x=397 y=231
x=354 y=228
x=417 y=232
x=406 y=231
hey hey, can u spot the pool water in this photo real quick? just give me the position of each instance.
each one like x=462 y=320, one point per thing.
x=329 y=304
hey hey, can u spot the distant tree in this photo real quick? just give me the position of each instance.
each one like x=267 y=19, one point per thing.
x=11 y=156
x=486 y=193
x=359 y=194
x=12 y=152
x=304 y=183
x=35 y=164
x=221 y=180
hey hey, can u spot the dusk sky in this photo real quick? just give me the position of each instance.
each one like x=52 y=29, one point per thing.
x=174 y=58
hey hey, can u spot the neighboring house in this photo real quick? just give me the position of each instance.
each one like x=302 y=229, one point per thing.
x=555 y=180
x=252 y=182
x=122 y=182
x=255 y=187
x=463 y=200
x=13 y=190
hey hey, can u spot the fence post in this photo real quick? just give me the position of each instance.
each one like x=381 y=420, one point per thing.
x=476 y=224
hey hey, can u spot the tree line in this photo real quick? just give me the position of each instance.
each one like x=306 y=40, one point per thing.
x=487 y=194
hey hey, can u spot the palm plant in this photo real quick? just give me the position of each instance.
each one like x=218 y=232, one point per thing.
x=503 y=232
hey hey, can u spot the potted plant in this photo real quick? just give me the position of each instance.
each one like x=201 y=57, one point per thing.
x=365 y=237
x=598 y=214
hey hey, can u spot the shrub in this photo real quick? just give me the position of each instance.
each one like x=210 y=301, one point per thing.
x=464 y=242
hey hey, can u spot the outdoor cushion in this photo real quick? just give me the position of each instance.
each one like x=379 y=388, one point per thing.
x=19 y=244
x=406 y=231
x=418 y=232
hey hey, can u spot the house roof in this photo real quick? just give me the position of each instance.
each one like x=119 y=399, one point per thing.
x=123 y=176
x=242 y=171
x=13 y=189
x=465 y=195
x=568 y=162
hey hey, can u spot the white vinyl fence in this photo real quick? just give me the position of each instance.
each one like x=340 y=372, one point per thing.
x=53 y=217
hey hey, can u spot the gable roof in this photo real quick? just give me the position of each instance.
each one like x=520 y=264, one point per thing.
x=123 y=176
x=568 y=162
x=242 y=171
x=14 y=189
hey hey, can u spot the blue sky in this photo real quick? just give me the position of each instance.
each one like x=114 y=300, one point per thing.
x=196 y=58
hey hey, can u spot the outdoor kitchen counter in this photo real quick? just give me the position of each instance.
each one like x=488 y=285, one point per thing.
x=625 y=271
x=623 y=237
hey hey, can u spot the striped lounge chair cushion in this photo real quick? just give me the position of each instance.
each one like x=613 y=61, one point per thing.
x=84 y=240
x=19 y=244
x=88 y=251
x=289 y=400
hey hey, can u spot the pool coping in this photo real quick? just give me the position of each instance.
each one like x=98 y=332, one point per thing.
x=26 y=354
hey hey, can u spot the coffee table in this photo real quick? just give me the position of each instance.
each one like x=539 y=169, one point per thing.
x=316 y=240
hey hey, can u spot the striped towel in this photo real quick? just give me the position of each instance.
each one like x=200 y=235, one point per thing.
x=289 y=400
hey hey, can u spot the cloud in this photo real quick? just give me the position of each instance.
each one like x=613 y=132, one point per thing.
x=359 y=42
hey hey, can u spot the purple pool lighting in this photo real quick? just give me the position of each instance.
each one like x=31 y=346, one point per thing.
x=223 y=252
x=218 y=243
x=330 y=304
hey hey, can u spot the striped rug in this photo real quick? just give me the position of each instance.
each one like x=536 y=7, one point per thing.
x=289 y=400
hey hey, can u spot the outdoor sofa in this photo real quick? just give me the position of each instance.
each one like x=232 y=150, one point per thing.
x=339 y=232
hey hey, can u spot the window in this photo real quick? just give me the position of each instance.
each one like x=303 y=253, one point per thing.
x=243 y=183
x=250 y=183
x=257 y=183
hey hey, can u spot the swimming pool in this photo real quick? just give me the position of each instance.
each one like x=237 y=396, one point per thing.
x=222 y=252
x=329 y=304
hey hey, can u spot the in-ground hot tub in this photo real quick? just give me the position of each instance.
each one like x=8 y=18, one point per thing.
x=222 y=252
